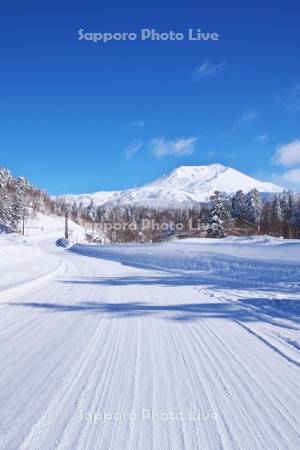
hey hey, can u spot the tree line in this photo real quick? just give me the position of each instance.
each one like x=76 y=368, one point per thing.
x=277 y=215
x=17 y=198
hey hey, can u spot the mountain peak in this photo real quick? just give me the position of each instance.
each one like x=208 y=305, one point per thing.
x=188 y=170
x=212 y=166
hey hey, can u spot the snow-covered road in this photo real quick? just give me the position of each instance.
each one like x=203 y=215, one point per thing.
x=112 y=356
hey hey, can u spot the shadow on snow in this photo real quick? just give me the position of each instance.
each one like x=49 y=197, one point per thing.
x=240 y=311
x=276 y=282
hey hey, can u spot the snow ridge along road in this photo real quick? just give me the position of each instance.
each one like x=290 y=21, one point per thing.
x=108 y=355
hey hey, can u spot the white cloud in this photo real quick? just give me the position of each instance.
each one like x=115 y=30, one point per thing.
x=133 y=148
x=138 y=123
x=178 y=147
x=288 y=155
x=292 y=175
x=208 y=69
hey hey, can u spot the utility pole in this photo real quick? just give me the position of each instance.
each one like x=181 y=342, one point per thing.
x=66 y=226
x=112 y=239
x=23 y=224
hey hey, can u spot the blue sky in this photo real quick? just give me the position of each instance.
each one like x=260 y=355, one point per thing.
x=78 y=116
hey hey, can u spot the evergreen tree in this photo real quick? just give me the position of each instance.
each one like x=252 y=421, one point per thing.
x=277 y=209
x=218 y=215
x=253 y=206
x=91 y=211
x=4 y=195
x=277 y=213
x=238 y=205
x=290 y=215
x=17 y=210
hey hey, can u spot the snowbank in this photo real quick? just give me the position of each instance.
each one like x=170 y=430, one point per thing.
x=238 y=260
x=189 y=253
x=22 y=261
x=27 y=258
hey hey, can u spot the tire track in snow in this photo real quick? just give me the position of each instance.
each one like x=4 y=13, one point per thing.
x=224 y=358
x=43 y=425
x=151 y=358
x=88 y=387
x=240 y=386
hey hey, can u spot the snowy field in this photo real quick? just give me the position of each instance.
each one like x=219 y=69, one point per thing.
x=189 y=344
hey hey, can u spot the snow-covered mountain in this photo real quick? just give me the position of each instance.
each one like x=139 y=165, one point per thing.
x=184 y=186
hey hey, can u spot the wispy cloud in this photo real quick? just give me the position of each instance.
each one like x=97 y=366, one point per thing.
x=262 y=138
x=177 y=147
x=138 y=123
x=289 y=99
x=133 y=148
x=247 y=117
x=288 y=155
x=208 y=69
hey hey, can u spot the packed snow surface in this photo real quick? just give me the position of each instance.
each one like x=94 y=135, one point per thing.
x=184 y=186
x=182 y=345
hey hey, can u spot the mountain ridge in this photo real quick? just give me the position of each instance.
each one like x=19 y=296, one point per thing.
x=185 y=186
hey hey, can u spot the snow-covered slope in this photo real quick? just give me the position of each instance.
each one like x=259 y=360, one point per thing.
x=23 y=258
x=184 y=186
x=43 y=226
x=99 y=198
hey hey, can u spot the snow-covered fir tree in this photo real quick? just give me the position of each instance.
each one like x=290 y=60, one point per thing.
x=91 y=211
x=4 y=196
x=289 y=211
x=254 y=206
x=277 y=213
x=17 y=196
x=218 y=216
x=18 y=205
x=238 y=205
